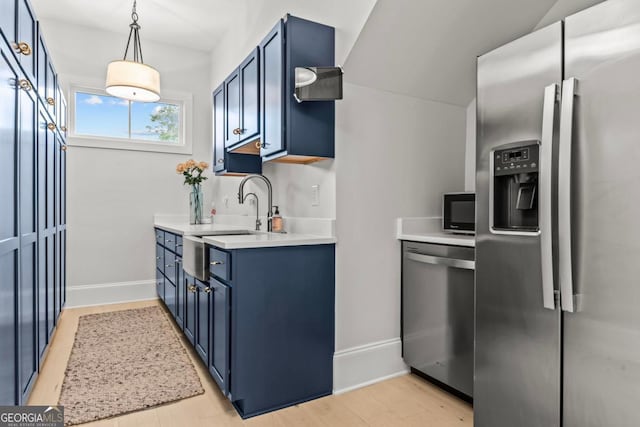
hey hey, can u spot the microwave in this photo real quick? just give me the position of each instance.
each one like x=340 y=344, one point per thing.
x=459 y=213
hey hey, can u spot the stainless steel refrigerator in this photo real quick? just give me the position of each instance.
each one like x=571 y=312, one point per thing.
x=557 y=340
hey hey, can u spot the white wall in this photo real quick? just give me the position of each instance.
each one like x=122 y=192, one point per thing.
x=395 y=157
x=113 y=194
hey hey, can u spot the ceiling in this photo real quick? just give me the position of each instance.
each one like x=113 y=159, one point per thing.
x=198 y=24
x=428 y=49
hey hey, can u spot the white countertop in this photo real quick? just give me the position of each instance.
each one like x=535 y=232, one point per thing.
x=218 y=235
x=428 y=230
x=266 y=240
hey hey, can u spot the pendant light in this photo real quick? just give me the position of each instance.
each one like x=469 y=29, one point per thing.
x=133 y=80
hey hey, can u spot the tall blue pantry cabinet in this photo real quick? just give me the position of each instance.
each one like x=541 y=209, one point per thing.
x=32 y=200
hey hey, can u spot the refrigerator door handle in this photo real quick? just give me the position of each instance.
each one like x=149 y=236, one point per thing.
x=551 y=100
x=567 y=294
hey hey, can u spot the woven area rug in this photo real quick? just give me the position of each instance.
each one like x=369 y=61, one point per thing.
x=124 y=361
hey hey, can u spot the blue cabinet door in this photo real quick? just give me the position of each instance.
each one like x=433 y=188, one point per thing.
x=27 y=34
x=27 y=285
x=219 y=337
x=8 y=20
x=180 y=293
x=42 y=240
x=272 y=85
x=160 y=284
x=218 y=129
x=249 y=72
x=190 y=308
x=9 y=233
x=170 y=296
x=232 y=109
x=202 y=320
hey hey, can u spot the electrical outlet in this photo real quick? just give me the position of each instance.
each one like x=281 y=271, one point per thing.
x=315 y=195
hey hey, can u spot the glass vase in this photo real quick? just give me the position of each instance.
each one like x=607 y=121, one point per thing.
x=195 y=205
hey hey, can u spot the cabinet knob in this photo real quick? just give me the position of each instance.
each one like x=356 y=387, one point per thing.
x=220 y=160
x=192 y=288
x=25 y=85
x=23 y=48
x=51 y=126
x=63 y=128
x=217 y=262
x=63 y=148
x=258 y=144
x=236 y=131
x=207 y=290
x=51 y=101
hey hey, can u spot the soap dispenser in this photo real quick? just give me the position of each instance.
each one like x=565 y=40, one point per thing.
x=276 y=224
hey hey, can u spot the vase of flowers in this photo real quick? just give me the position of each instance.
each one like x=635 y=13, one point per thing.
x=192 y=172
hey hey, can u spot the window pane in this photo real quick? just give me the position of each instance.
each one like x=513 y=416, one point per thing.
x=155 y=121
x=99 y=115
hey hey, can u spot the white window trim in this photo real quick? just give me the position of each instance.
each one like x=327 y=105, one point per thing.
x=185 y=100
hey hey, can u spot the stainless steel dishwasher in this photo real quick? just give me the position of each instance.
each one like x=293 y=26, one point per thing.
x=438 y=312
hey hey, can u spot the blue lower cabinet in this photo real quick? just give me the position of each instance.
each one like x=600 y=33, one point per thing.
x=169 y=267
x=190 y=308
x=219 y=311
x=203 y=291
x=160 y=284
x=282 y=326
x=180 y=294
x=159 y=257
x=170 y=296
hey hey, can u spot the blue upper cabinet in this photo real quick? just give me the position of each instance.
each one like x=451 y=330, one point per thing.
x=227 y=163
x=295 y=132
x=249 y=97
x=232 y=109
x=272 y=94
x=8 y=20
x=242 y=105
x=218 y=129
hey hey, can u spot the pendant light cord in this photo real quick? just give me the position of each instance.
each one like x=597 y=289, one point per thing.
x=134 y=33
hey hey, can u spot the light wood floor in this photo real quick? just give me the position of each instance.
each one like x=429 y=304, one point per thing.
x=403 y=401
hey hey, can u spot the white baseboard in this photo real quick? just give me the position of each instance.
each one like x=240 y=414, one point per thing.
x=110 y=293
x=367 y=364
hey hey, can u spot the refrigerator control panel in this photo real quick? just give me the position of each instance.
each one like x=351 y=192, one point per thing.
x=516 y=160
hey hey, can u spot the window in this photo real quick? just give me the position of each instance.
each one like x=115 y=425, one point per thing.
x=104 y=121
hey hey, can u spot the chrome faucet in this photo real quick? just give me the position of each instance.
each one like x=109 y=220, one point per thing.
x=258 y=222
x=269 y=193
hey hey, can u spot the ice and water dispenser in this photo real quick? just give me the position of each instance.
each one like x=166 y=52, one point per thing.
x=515 y=188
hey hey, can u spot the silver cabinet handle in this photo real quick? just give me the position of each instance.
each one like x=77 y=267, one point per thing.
x=168 y=241
x=158 y=257
x=551 y=95
x=567 y=296
x=437 y=260
x=169 y=266
x=207 y=290
x=217 y=262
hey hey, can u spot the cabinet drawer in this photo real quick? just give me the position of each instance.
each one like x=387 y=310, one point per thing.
x=170 y=241
x=159 y=236
x=159 y=257
x=179 y=245
x=220 y=264
x=170 y=266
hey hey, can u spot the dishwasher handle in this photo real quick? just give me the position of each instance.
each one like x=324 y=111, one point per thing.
x=438 y=260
